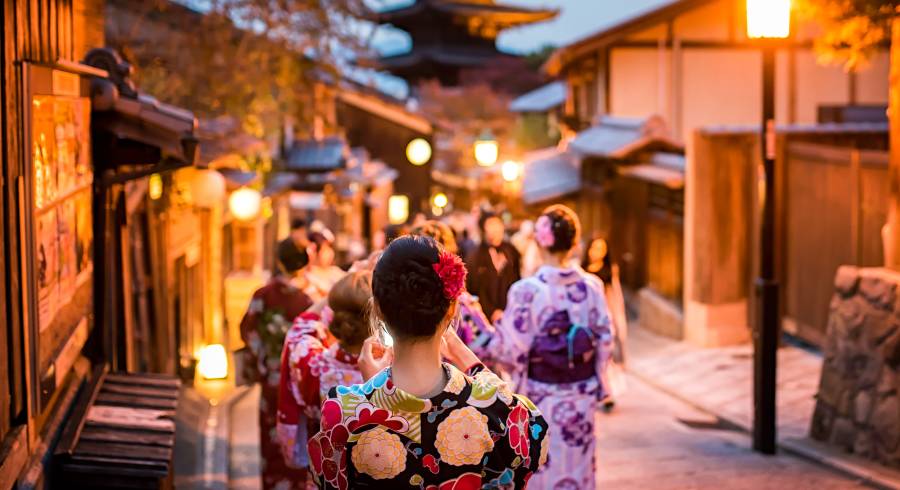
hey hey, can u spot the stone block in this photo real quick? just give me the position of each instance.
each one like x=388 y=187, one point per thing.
x=862 y=405
x=822 y=421
x=843 y=434
x=846 y=280
x=831 y=387
x=886 y=422
x=887 y=382
x=863 y=444
x=878 y=291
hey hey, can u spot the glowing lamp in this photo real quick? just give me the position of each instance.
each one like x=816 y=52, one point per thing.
x=155 y=186
x=768 y=19
x=440 y=200
x=207 y=187
x=418 y=151
x=511 y=170
x=213 y=362
x=486 y=149
x=398 y=209
x=245 y=203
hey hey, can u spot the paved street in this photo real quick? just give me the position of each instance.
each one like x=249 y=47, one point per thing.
x=649 y=442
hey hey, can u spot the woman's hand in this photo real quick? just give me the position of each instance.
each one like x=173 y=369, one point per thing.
x=374 y=357
x=457 y=352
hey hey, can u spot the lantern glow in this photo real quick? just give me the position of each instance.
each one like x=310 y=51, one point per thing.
x=768 y=19
x=398 y=209
x=511 y=170
x=213 y=362
x=245 y=203
x=418 y=151
x=486 y=149
x=440 y=200
x=155 y=186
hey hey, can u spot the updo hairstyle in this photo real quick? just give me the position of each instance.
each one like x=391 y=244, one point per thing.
x=349 y=300
x=565 y=226
x=409 y=294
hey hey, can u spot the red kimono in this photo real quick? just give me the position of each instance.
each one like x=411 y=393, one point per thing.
x=268 y=318
x=312 y=364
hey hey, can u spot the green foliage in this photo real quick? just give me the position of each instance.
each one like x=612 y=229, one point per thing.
x=537 y=58
x=851 y=30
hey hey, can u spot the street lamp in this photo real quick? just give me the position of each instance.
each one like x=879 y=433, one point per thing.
x=398 y=209
x=245 y=203
x=511 y=170
x=418 y=151
x=440 y=200
x=486 y=149
x=768 y=21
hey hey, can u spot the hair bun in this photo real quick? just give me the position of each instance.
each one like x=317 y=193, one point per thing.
x=565 y=228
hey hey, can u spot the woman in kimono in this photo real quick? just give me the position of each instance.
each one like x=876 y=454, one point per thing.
x=599 y=263
x=263 y=328
x=471 y=321
x=313 y=362
x=418 y=422
x=555 y=337
x=321 y=273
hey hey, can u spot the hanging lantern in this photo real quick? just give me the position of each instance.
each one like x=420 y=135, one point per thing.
x=418 y=151
x=511 y=170
x=245 y=203
x=486 y=149
x=398 y=209
x=440 y=200
x=207 y=187
x=155 y=186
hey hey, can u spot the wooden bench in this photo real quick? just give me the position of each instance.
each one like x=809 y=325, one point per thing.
x=120 y=434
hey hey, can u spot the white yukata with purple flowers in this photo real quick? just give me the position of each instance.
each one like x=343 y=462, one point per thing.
x=554 y=339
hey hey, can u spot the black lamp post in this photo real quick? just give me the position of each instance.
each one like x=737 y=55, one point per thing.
x=767 y=22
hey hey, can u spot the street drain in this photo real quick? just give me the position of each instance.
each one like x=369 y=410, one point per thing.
x=706 y=424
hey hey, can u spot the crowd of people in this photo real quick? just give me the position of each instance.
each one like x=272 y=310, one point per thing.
x=437 y=362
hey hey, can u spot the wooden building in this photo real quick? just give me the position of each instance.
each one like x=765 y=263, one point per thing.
x=450 y=37
x=78 y=136
x=690 y=62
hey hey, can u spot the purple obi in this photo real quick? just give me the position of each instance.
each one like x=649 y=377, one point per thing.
x=563 y=352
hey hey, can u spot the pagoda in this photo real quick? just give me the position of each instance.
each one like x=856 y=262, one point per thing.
x=450 y=36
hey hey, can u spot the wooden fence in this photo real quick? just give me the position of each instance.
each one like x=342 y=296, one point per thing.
x=835 y=202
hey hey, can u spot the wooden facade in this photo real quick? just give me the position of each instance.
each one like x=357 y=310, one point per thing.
x=39 y=367
x=834 y=171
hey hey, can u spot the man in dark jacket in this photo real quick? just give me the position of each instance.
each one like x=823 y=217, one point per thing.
x=493 y=267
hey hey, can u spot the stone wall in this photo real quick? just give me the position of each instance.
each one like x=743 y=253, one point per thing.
x=857 y=405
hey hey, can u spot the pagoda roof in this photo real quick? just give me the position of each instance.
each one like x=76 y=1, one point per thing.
x=439 y=62
x=501 y=16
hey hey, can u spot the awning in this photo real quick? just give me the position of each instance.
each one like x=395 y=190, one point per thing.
x=614 y=137
x=134 y=129
x=552 y=175
x=655 y=174
x=542 y=99
x=317 y=155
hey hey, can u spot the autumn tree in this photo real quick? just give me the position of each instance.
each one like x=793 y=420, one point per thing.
x=255 y=60
x=851 y=31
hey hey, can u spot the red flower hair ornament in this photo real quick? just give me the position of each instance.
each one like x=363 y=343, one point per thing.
x=452 y=271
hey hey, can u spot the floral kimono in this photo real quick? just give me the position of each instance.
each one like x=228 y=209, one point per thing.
x=471 y=319
x=475 y=434
x=269 y=316
x=312 y=368
x=555 y=338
